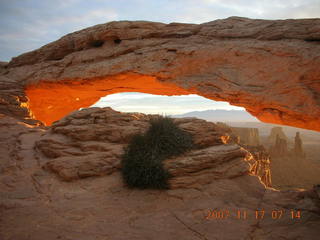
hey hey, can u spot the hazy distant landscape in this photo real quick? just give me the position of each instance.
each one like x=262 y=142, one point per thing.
x=239 y=118
x=287 y=172
x=220 y=115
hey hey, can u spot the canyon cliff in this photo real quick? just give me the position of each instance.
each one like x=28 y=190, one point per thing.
x=297 y=150
x=290 y=168
x=247 y=136
x=279 y=148
x=276 y=132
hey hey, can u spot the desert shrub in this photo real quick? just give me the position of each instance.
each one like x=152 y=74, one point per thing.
x=142 y=161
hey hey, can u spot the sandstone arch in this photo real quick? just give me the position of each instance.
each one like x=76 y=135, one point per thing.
x=269 y=67
x=59 y=99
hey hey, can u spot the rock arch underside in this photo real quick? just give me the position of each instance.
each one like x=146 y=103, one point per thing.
x=63 y=180
x=269 y=67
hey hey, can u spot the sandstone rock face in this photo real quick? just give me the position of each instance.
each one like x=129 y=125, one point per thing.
x=262 y=164
x=276 y=132
x=279 y=148
x=298 y=149
x=64 y=181
x=90 y=142
x=248 y=136
x=289 y=166
x=270 y=67
x=13 y=101
x=204 y=166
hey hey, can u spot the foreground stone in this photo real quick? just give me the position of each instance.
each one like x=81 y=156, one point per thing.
x=90 y=142
x=71 y=187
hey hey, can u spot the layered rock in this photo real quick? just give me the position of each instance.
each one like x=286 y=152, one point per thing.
x=297 y=149
x=85 y=146
x=13 y=101
x=276 y=132
x=248 y=136
x=270 y=67
x=279 y=148
x=289 y=166
x=207 y=165
x=262 y=163
x=90 y=142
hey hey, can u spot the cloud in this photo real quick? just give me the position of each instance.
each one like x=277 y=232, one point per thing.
x=199 y=11
x=29 y=24
x=86 y=20
x=153 y=104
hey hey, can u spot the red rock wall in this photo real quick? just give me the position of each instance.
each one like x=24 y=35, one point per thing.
x=270 y=67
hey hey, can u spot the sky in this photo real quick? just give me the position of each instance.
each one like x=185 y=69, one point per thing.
x=26 y=25
x=142 y=102
x=29 y=24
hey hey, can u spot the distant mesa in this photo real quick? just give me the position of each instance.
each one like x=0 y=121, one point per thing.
x=276 y=132
x=262 y=166
x=280 y=148
x=248 y=136
x=298 y=149
x=219 y=115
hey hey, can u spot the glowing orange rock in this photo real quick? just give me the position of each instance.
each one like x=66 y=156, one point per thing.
x=50 y=101
x=269 y=67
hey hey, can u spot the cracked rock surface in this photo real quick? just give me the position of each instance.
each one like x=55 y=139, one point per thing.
x=64 y=182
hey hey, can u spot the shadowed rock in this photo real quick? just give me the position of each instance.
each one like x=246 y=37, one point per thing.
x=298 y=149
x=248 y=136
